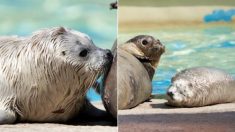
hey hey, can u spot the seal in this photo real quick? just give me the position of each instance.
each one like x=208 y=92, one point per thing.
x=136 y=63
x=109 y=88
x=201 y=86
x=45 y=77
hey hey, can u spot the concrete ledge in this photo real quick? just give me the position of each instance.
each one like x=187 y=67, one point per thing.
x=156 y=116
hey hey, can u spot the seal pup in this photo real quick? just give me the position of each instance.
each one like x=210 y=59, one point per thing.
x=45 y=77
x=136 y=63
x=201 y=86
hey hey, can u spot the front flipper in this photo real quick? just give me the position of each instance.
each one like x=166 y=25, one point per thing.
x=90 y=115
x=150 y=69
x=91 y=111
x=7 y=116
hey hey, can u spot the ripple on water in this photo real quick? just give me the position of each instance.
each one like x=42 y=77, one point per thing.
x=176 y=45
x=160 y=86
x=189 y=47
x=227 y=44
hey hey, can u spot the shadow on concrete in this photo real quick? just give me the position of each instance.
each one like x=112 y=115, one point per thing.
x=82 y=120
x=162 y=106
x=85 y=120
x=91 y=115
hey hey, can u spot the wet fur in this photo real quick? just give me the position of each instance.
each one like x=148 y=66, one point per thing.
x=42 y=82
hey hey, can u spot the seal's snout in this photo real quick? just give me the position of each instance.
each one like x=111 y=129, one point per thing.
x=158 y=41
x=159 y=46
x=170 y=94
x=108 y=54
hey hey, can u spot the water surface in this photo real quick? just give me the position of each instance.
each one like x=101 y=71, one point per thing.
x=190 y=46
x=22 y=17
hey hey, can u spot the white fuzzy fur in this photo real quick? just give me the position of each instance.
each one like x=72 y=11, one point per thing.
x=201 y=86
x=36 y=80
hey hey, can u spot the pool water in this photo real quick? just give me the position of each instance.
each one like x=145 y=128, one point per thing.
x=22 y=17
x=92 y=95
x=190 y=46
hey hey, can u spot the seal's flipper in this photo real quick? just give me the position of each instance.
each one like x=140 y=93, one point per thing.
x=7 y=117
x=149 y=69
x=90 y=110
x=90 y=115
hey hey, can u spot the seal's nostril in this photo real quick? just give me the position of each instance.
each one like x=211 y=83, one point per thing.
x=170 y=93
x=109 y=54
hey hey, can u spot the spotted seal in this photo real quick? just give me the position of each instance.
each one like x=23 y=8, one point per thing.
x=201 y=86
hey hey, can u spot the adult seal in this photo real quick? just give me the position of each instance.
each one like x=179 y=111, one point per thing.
x=201 y=86
x=109 y=88
x=136 y=63
x=45 y=77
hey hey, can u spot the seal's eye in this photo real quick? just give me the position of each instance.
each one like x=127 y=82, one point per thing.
x=144 y=42
x=83 y=53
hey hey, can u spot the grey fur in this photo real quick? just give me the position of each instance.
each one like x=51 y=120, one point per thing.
x=201 y=86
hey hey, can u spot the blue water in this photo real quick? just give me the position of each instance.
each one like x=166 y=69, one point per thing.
x=93 y=96
x=22 y=17
x=190 y=46
x=210 y=45
x=93 y=17
x=160 y=85
x=220 y=15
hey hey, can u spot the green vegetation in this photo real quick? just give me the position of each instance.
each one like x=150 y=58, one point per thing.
x=158 y=96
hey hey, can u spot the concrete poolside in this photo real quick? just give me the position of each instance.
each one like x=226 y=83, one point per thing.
x=156 y=116
x=100 y=125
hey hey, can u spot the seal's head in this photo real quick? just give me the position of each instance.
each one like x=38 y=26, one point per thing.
x=179 y=92
x=145 y=48
x=56 y=67
x=75 y=48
